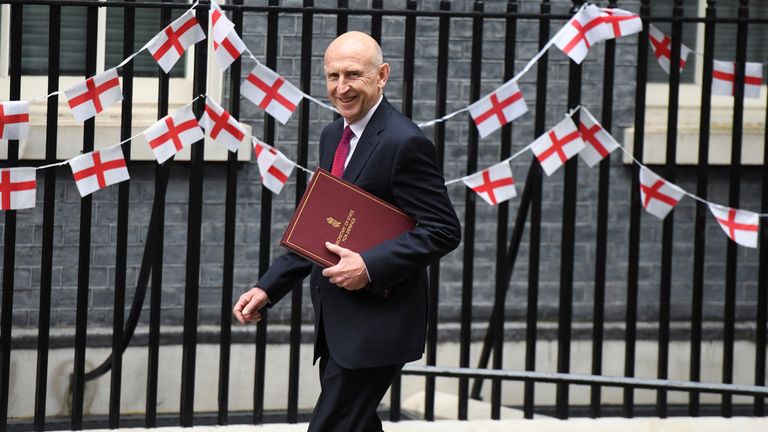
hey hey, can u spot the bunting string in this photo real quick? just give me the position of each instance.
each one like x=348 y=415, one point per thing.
x=279 y=98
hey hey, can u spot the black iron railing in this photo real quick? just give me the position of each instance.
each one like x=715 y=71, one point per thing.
x=509 y=241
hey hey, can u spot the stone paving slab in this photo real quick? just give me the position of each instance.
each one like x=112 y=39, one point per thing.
x=679 y=424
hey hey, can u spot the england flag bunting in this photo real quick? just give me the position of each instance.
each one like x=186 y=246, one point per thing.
x=619 y=23
x=99 y=169
x=598 y=142
x=173 y=133
x=657 y=195
x=494 y=184
x=274 y=167
x=505 y=104
x=221 y=126
x=228 y=50
x=169 y=45
x=740 y=226
x=271 y=92
x=662 y=49
x=220 y=24
x=724 y=79
x=558 y=145
x=94 y=95
x=14 y=120
x=17 y=188
x=581 y=32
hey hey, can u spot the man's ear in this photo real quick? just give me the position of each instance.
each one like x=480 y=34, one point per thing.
x=383 y=74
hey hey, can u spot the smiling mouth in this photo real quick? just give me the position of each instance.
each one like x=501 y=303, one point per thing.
x=346 y=100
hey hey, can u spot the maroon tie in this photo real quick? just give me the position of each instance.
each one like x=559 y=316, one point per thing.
x=341 y=152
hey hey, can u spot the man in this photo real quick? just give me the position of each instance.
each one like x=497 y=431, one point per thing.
x=370 y=308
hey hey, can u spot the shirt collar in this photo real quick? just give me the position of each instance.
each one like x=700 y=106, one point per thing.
x=359 y=126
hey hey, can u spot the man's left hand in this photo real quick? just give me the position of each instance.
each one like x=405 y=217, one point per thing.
x=350 y=273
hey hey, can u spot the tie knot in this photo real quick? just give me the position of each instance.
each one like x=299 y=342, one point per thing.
x=347 y=134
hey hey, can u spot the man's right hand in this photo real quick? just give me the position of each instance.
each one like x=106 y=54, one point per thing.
x=248 y=305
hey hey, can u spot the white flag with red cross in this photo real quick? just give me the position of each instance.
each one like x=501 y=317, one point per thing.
x=619 y=22
x=173 y=133
x=274 y=167
x=555 y=147
x=581 y=32
x=169 y=45
x=220 y=24
x=94 y=95
x=662 y=49
x=228 y=50
x=741 y=226
x=597 y=141
x=14 y=120
x=99 y=169
x=724 y=79
x=18 y=188
x=221 y=126
x=658 y=196
x=505 y=104
x=271 y=92
x=494 y=184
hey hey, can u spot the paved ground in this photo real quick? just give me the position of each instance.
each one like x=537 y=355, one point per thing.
x=680 y=424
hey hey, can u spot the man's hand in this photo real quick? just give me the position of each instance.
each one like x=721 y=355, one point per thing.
x=247 y=307
x=350 y=272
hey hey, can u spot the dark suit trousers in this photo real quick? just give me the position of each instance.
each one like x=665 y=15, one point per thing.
x=349 y=397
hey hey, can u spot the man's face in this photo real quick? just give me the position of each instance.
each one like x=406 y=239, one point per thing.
x=353 y=80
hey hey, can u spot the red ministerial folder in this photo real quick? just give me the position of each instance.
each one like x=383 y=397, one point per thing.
x=334 y=210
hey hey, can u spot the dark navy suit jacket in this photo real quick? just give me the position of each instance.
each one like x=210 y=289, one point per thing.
x=384 y=323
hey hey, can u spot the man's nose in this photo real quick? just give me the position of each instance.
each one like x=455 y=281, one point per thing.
x=342 y=86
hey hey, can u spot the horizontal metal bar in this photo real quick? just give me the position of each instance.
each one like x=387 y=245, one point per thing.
x=569 y=378
x=369 y=12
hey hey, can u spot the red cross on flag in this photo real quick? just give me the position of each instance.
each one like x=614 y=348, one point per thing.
x=17 y=188
x=14 y=120
x=494 y=184
x=724 y=79
x=558 y=145
x=220 y=24
x=173 y=133
x=221 y=126
x=228 y=50
x=274 y=167
x=620 y=23
x=99 y=169
x=598 y=142
x=581 y=32
x=505 y=104
x=658 y=196
x=169 y=45
x=94 y=95
x=662 y=45
x=741 y=226
x=272 y=93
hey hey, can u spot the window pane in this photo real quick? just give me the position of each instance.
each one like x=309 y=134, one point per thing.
x=725 y=34
x=147 y=26
x=34 y=58
x=690 y=9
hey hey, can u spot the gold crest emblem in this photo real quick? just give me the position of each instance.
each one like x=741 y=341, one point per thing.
x=333 y=222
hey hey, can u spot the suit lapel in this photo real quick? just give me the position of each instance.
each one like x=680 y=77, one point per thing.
x=368 y=142
x=326 y=159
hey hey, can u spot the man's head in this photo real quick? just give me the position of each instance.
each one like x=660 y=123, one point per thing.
x=355 y=74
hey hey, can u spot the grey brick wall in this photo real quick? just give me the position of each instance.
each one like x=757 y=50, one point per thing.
x=102 y=270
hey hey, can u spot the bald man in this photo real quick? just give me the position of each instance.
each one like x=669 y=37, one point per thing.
x=370 y=308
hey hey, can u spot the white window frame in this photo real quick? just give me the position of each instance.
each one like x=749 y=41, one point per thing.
x=689 y=110
x=145 y=95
